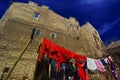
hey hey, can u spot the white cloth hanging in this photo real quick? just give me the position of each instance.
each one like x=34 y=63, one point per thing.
x=91 y=64
x=106 y=61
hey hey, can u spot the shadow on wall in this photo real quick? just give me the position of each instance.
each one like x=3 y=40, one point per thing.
x=42 y=70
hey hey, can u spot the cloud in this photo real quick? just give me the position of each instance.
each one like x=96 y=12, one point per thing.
x=107 y=27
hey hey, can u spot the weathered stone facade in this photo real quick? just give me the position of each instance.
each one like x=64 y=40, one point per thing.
x=113 y=50
x=15 y=32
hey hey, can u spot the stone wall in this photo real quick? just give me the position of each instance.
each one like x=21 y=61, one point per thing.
x=113 y=50
x=14 y=38
x=16 y=29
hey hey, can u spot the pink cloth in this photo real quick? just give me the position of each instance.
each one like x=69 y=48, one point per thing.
x=100 y=66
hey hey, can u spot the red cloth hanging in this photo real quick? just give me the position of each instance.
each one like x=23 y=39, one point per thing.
x=55 y=52
x=80 y=62
x=62 y=55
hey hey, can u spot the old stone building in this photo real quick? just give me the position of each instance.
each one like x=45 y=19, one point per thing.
x=15 y=33
x=114 y=50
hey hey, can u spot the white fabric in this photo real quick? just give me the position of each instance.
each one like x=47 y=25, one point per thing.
x=106 y=60
x=91 y=64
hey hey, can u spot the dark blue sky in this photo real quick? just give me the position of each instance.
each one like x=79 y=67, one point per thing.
x=104 y=15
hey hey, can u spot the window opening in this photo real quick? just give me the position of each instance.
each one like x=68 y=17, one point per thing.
x=53 y=35
x=37 y=33
x=6 y=69
x=36 y=15
x=78 y=38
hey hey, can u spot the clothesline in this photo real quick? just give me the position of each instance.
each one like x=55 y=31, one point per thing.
x=62 y=55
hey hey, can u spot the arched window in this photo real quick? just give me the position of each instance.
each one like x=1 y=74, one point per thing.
x=53 y=35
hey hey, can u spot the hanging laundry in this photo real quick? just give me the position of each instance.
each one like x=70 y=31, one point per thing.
x=110 y=58
x=62 y=55
x=61 y=73
x=91 y=64
x=112 y=69
x=53 y=72
x=54 y=51
x=100 y=66
x=80 y=62
x=103 y=61
x=53 y=63
x=106 y=60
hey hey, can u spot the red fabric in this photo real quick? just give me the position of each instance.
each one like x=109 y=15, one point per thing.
x=82 y=74
x=62 y=55
x=110 y=58
x=80 y=62
x=55 y=52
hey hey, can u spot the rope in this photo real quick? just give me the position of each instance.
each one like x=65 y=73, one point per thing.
x=22 y=52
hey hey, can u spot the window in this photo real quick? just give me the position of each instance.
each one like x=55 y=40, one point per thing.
x=53 y=35
x=78 y=38
x=36 y=15
x=37 y=33
x=6 y=69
